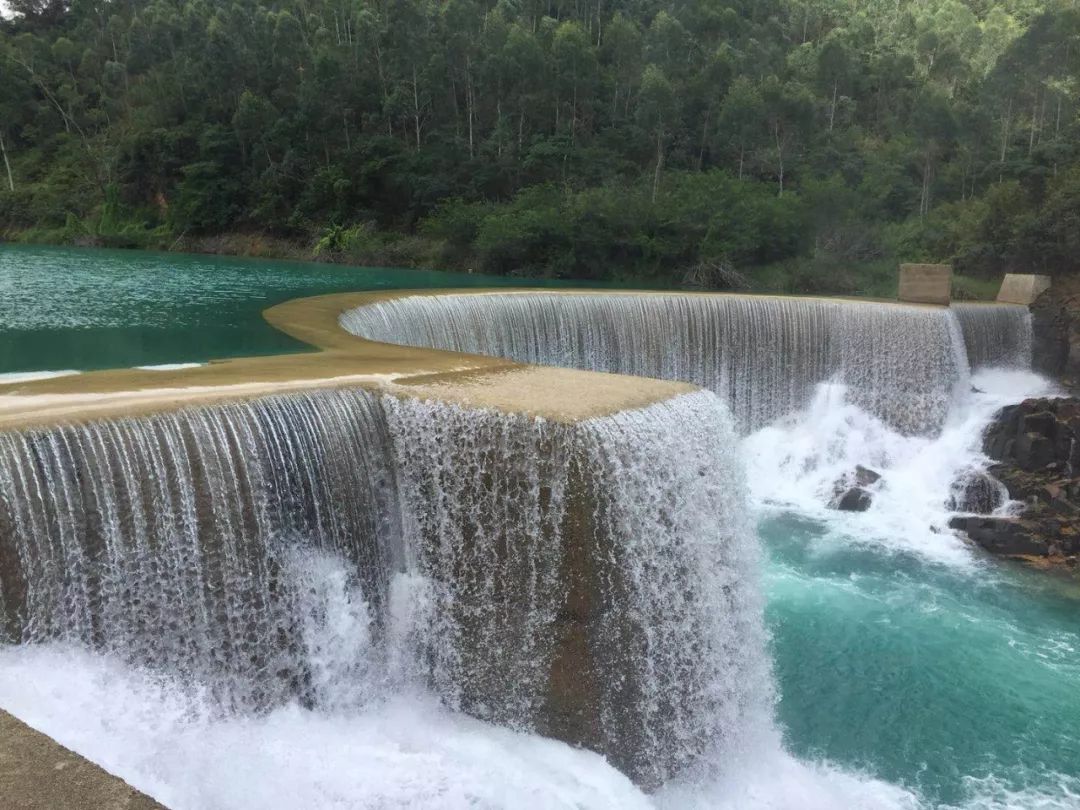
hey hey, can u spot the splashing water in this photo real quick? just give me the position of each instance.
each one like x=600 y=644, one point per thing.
x=334 y=549
x=331 y=672
x=795 y=464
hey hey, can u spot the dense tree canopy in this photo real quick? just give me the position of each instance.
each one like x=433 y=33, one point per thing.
x=570 y=137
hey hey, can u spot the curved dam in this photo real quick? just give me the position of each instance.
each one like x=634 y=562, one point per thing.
x=554 y=550
x=762 y=355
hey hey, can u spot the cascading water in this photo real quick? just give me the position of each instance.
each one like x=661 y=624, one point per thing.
x=166 y=541
x=995 y=334
x=384 y=559
x=763 y=356
x=338 y=547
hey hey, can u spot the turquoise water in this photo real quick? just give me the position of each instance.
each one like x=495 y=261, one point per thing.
x=960 y=683
x=71 y=308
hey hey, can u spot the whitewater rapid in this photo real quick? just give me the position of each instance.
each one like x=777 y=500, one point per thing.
x=380 y=738
x=795 y=463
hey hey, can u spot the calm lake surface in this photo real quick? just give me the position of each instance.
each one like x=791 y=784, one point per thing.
x=72 y=308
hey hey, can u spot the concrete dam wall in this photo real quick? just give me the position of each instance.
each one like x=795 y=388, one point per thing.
x=554 y=550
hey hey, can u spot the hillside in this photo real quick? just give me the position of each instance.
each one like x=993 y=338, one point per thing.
x=790 y=144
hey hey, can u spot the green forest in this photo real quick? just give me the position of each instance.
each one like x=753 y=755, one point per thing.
x=795 y=145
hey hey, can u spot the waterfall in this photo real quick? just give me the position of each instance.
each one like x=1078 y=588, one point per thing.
x=620 y=541
x=168 y=540
x=764 y=356
x=682 y=621
x=594 y=581
x=996 y=334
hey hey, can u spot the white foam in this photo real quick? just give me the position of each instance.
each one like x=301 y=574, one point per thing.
x=29 y=376
x=405 y=752
x=794 y=464
x=775 y=780
x=169 y=366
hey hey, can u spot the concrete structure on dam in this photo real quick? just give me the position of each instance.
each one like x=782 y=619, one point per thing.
x=476 y=450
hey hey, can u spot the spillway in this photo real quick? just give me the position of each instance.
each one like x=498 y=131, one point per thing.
x=586 y=573
x=510 y=563
x=995 y=335
x=763 y=355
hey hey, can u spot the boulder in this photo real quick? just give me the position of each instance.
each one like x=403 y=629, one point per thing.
x=850 y=492
x=976 y=491
x=1007 y=536
x=1036 y=445
x=1044 y=423
x=864 y=476
x=1033 y=451
x=855 y=499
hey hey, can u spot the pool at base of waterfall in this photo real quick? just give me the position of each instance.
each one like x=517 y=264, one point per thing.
x=913 y=672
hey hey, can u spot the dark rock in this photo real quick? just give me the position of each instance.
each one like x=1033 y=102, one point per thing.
x=855 y=499
x=850 y=493
x=1036 y=445
x=864 y=476
x=978 y=492
x=1044 y=423
x=1033 y=451
x=1054 y=323
x=1008 y=536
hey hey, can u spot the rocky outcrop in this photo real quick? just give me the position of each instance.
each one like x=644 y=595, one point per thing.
x=851 y=494
x=977 y=492
x=1056 y=332
x=1036 y=449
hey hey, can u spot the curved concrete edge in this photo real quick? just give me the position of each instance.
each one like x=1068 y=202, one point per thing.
x=342 y=360
x=37 y=773
x=345 y=360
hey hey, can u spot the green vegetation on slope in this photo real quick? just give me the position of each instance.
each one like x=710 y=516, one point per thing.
x=791 y=144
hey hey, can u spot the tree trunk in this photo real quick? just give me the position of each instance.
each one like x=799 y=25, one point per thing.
x=832 y=109
x=1005 y=120
x=573 y=116
x=924 y=200
x=704 y=137
x=659 y=164
x=469 y=103
x=1034 y=123
x=7 y=165
x=416 y=108
x=779 y=157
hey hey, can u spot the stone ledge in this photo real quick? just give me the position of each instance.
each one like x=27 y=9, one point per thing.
x=37 y=773
x=1017 y=288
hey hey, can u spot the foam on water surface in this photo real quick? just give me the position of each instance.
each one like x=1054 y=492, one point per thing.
x=30 y=376
x=795 y=464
